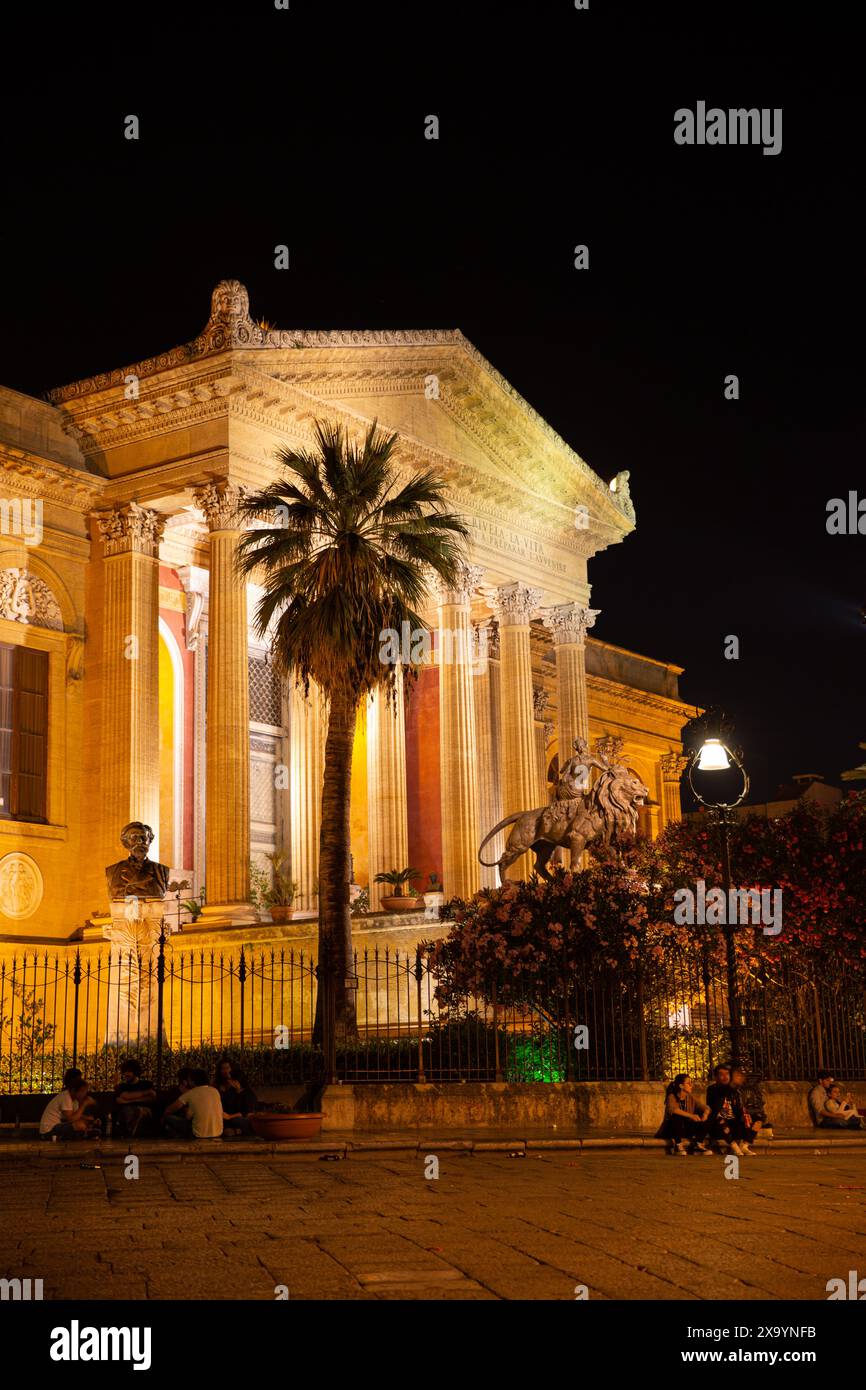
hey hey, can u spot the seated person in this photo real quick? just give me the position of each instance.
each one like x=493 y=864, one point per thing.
x=238 y=1099
x=166 y=1098
x=685 y=1119
x=71 y=1114
x=752 y=1097
x=204 y=1112
x=131 y=1095
x=746 y=1124
x=821 y=1116
x=841 y=1110
x=726 y=1124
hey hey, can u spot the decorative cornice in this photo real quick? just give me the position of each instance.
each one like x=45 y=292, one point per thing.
x=219 y=500
x=515 y=603
x=628 y=697
x=58 y=483
x=459 y=593
x=569 y=623
x=130 y=529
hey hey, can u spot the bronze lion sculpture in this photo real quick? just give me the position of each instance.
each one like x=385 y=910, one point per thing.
x=606 y=815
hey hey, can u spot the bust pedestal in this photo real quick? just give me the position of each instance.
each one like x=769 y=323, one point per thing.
x=132 y=988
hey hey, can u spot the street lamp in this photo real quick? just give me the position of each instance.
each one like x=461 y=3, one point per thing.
x=714 y=756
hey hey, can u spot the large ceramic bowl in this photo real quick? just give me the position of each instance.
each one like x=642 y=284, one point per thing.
x=297 y=1125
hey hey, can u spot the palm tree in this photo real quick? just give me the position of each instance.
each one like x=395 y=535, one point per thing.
x=349 y=558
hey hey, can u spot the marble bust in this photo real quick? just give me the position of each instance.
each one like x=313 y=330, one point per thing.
x=136 y=876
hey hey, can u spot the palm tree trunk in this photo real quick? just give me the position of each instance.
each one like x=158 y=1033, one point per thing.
x=335 y=921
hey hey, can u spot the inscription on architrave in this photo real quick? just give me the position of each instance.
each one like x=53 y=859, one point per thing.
x=508 y=542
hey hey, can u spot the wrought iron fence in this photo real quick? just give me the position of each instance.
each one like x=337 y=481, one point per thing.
x=190 y=1007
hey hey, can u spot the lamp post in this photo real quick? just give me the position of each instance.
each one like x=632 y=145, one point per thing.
x=714 y=756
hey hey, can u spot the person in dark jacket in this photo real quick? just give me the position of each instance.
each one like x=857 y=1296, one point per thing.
x=238 y=1098
x=727 y=1125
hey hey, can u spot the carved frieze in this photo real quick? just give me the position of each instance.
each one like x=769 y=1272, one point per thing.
x=25 y=598
x=21 y=885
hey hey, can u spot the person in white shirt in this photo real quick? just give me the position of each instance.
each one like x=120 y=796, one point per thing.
x=68 y=1115
x=204 y=1110
x=842 y=1110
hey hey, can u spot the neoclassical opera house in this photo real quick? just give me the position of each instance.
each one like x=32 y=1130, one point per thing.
x=133 y=688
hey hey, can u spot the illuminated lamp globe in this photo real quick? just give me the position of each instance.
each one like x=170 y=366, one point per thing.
x=712 y=757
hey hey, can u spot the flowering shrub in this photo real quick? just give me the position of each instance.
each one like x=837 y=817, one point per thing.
x=818 y=860
x=531 y=940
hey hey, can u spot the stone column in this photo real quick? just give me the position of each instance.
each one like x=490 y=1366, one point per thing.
x=514 y=605
x=129 y=759
x=672 y=767
x=485 y=686
x=195 y=586
x=458 y=750
x=227 y=811
x=307 y=732
x=569 y=623
x=387 y=816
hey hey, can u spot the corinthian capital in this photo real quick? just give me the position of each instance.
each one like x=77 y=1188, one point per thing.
x=459 y=592
x=569 y=623
x=540 y=701
x=673 y=765
x=130 y=529
x=515 y=604
x=219 y=501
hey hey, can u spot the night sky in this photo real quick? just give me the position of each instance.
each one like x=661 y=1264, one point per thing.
x=261 y=127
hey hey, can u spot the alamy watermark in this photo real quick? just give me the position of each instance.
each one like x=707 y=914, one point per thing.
x=462 y=646
x=22 y=519
x=715 y=908
x=736 y=126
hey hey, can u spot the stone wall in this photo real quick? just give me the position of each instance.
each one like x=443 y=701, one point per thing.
x=605 y=1106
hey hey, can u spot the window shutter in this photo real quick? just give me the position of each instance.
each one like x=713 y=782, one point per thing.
x=27 y=793
x=6 y=686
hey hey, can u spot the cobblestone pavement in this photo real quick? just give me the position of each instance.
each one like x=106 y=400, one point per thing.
x=626 y=1225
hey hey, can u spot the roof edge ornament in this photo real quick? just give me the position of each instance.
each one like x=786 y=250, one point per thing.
x=229 y=324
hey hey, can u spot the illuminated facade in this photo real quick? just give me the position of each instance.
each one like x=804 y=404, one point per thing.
x=132 y=686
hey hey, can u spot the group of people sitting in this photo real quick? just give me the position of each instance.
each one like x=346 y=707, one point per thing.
x=830 y=1108
x=727 y=1121
x=732 y=1115
x=193 y=1109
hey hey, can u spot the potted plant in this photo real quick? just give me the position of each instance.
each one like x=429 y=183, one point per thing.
x=281 y=893
x=400 y=900
x=273 y=1120
x=435 y=895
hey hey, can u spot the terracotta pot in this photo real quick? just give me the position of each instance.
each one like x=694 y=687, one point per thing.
x=281 y=914
x=297 y=1125
x=402 y=904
